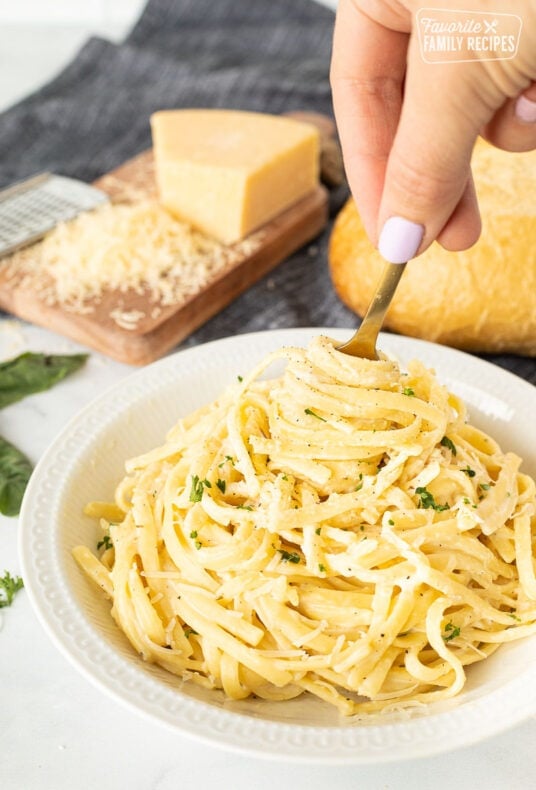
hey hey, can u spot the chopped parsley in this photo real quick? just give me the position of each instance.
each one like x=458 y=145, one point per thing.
x=222 y=485
x=360 y=484
x=409 y=392
x=427 y=500
x=314 y=414
x=288 y=556
x=514 y=617
x=451 y=632
x=193 y=535
x=391 y=522
x=449 y=444
x=321 y=568
x=467 y=501
x=485 y=486
x=317 y=531
x=188 y=632
x=9 y=587
x=227 y=458
x=240 y=378
x=106 y=542
x=196 y=492
x=244 y=507
x=468 y=471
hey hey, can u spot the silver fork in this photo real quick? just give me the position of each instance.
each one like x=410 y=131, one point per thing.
x=363 y=341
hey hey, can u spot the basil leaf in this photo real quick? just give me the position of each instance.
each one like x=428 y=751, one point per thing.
x=15 y=471
x=29 y=373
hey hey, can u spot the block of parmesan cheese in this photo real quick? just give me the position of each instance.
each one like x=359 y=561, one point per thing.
x=228 y=172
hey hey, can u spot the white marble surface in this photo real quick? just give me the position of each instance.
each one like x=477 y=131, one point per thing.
x=57 y=732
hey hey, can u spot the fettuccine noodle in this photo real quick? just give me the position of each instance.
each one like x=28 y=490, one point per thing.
x=340 y=530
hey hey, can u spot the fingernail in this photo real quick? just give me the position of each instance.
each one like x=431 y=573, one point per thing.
x=525 y=110
x=400 y=239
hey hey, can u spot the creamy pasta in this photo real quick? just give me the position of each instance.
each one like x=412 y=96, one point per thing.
x=340 y=530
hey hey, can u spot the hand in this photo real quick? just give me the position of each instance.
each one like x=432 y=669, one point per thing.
x=408 y=127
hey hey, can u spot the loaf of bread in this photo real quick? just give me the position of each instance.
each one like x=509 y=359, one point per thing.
x=482 y=299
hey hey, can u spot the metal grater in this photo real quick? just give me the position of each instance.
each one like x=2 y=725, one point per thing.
x=31 y=208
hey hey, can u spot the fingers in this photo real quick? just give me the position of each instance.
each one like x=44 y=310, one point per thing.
x=513 y=127
x=429 y=167
x=464 y=225
x=367 y=74
x=525 y=106
x=408 y=132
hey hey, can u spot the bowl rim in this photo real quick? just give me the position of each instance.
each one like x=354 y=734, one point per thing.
x=231 y=730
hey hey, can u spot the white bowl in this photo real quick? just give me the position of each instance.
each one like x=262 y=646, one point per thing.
x=87 y=460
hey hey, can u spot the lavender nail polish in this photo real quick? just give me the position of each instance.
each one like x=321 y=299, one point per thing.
x=525 y=110
x=400 y=239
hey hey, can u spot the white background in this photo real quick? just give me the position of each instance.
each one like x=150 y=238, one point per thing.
x=38 y=37
x=56 y=731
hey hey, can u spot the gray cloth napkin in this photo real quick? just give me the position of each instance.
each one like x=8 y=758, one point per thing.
x=266 y=55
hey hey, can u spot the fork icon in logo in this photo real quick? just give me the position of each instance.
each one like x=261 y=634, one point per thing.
x=491 y=27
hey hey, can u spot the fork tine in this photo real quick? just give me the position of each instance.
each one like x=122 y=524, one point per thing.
x=363 y=341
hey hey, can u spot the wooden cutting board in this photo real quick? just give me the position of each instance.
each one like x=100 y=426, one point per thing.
x=161 y=329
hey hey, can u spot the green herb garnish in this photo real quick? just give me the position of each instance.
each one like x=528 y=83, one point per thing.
x=468 y=471
x=222 y=485
x=196 y=491
x=317 y=531
x=409 y=392
x=188 y=632
x=227 y=458
x=240 y=378
x=485 y=486
x=288 y=556
x=446 y=442
x=244 y=507
x=426 y=500
x=314 y=414
x=106 y=542
x=391 y=522
x=9 y=587
x=193 y=534
x=451 y=632
x=321 y=568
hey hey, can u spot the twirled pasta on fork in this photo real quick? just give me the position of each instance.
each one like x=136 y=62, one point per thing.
x=339 y=530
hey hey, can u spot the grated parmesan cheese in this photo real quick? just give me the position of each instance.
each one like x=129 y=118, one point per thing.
x=136 y=248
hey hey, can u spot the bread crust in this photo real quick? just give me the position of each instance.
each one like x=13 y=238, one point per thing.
x=482 y=299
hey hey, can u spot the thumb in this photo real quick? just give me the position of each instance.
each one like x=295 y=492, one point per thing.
x=429 y=163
